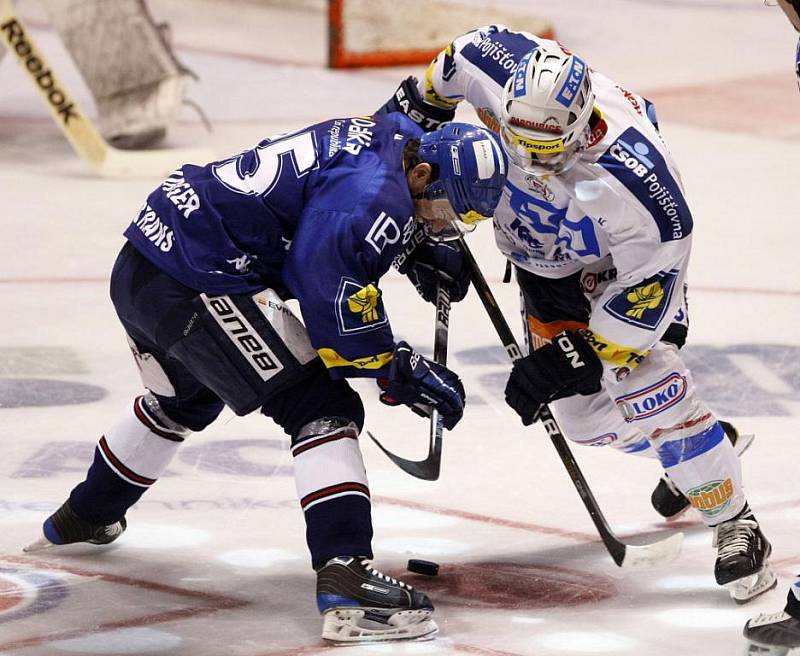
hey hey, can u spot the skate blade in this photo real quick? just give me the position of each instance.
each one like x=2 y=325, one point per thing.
x=344 y=627
x=750 y=587
x=743 y=443
x=39 y=545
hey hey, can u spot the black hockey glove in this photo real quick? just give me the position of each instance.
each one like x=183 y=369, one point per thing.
x=565 y=367
x=408 y=101
x=416 y=381
x=433 y=263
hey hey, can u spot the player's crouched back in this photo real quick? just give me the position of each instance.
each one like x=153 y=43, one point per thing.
x=203 y=304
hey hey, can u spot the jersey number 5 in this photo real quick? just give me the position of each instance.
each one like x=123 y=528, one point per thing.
x=257 y=171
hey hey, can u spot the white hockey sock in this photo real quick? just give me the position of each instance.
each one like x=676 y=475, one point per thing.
x=138 y=448
x=706 y=469
x=328 y=463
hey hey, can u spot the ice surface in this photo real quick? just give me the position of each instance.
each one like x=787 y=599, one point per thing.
x=214 y=561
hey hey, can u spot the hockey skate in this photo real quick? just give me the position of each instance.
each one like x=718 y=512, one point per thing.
x=669 y=501
x=361 y=605
x=774 y=630
x=65 y=527
x=742 y=553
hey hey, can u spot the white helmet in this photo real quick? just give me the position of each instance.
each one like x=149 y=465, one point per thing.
x=546 y=107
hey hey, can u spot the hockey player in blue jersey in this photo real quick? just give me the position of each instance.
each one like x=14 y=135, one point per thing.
x=595 y=222
x=318 y=215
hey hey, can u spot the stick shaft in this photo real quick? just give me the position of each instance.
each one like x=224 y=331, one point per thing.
x=440 y=356
x=614 y=546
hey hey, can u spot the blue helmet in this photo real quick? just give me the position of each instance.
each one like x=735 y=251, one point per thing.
x=471 y=167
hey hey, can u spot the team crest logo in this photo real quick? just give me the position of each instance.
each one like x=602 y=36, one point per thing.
x=648 y=297
x=365 y=303
x=359 y=309
x=540 y=187
x=644 y=305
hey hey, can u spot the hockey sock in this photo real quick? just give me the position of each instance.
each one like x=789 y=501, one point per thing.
x=127 y=461
x=333 y=490
x=705 y=468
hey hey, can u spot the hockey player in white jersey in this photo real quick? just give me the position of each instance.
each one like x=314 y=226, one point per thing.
x=593 y=218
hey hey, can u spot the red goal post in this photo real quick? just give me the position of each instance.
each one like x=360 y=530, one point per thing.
x=365 y=33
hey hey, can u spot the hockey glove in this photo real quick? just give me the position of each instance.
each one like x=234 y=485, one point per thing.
x=416 y=382
x=408 y=101
x=566 y=366
x=433 y=263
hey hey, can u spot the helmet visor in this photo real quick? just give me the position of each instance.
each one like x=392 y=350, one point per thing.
x=535 y=156
x=454 y=230
x=435 y=208
x=435 y=213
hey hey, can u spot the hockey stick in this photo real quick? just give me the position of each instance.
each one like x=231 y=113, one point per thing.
x=625 y=555
x=428 y=469
x=104 y=159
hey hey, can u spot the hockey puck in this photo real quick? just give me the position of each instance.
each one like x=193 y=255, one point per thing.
x=426 y=567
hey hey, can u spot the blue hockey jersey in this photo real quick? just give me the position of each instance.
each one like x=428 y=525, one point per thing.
x=319 y=215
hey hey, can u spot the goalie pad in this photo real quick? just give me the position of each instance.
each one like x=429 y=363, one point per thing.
x=138 y=97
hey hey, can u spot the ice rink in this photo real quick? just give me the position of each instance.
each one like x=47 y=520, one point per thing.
x=214 y=560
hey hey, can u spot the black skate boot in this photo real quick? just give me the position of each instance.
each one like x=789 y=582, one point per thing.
x=669 y=501
x=781 y=629
x=774 y=630
x=65 y=527
x=742 y=553
x=360 y=604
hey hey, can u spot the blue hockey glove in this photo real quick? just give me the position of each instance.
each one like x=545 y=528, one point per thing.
x=408 y=101
x=433 y=263
x=416 y=381
x=566 y=366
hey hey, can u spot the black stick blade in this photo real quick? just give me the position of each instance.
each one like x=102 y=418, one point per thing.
x=427 y=470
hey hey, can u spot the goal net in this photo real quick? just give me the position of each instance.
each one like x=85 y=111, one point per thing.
x=400 y=32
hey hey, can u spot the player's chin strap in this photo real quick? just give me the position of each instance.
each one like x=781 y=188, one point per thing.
x=624 y=555
x=428 y=469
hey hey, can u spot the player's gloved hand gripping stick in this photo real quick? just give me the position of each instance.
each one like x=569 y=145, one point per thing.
x=428 y=469
x=624 y=555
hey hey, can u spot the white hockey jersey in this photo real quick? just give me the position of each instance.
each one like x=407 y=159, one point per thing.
x=620 y=207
